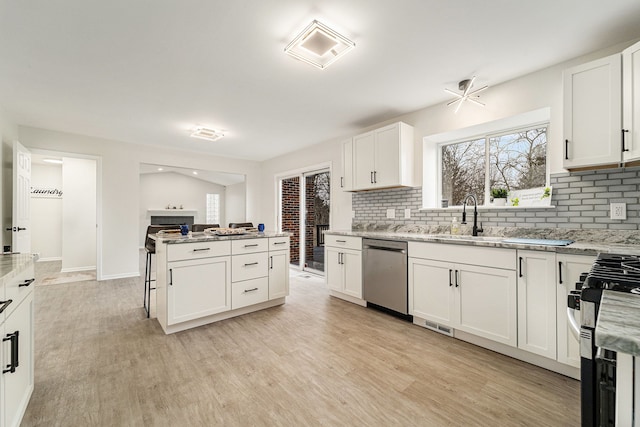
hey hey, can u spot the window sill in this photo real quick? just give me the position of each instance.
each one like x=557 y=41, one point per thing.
x=485 y=208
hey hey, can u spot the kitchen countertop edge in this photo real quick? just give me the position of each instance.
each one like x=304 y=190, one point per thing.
x=202 y=237
x=13 y=264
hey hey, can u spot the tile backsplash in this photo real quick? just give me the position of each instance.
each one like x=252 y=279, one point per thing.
x=581 y=201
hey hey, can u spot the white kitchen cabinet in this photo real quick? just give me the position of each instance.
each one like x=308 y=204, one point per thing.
x=631 y=102
x=346 y=171
x=198 y=288
x=17 y=362
x=344 y=270
x=383 y=158
x=537 y=302
x=569 y=269
x=593 y=113
x=478 y=299
x=278 y=274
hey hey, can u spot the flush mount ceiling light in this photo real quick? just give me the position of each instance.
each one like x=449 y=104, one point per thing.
x=319 y=45
x=206 y=133
x=465 y=86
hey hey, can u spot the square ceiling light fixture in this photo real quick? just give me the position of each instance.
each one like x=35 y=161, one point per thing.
x=319 y=45
x=206 y=133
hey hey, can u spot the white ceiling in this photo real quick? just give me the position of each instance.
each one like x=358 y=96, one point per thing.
x=147 y=71
x=220 y=178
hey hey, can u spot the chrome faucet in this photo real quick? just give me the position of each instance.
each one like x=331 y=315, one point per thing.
x=475 y=229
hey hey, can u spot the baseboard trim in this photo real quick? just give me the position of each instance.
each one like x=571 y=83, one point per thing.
x=77 y=269
x=53 y=258
x=119 y=276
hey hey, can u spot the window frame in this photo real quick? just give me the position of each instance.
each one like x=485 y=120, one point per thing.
x=217 y=203
x=487 y=136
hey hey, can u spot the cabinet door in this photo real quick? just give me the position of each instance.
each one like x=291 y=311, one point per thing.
x=593 y=113
x=198 y=288
x=334 y=275
x=387 y=156
x=631 y=102
x=487 y=303
x=569 y=269
x=346 y=176
x=537 y=302
x=431 y=290
x=352 y=265
x=18 y=385
x=278 y=274
x=363 y=160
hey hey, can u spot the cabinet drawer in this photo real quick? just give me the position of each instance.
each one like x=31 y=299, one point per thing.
x=278 y=243
x=17 y=288
x=248 y=246
x=346 y=242
x=186 y=251
x=249 y=266
x=249 y=292
x=472 y=255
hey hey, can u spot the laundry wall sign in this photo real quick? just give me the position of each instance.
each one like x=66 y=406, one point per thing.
x=46 y=193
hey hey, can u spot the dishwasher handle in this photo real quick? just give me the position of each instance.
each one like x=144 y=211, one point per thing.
x=385 y=245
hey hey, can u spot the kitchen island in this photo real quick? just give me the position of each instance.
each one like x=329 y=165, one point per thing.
x=204 y=278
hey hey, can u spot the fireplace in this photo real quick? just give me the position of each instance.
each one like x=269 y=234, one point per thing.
x=171 y=220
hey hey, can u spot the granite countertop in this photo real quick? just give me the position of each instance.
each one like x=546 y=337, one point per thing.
x=618 y=325
x=12 y=265
x=495 y=241
x=206 y=237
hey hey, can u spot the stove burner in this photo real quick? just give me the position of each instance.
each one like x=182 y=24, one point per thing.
x=614 y=272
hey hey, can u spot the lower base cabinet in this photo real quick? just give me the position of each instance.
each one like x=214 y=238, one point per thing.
x=278 y=274
x=478 y=300
x=17 y=362
x=344 y=271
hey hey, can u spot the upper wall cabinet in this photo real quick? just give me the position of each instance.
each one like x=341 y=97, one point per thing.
x=631 y=103
x=381 y=158
x=601 y=108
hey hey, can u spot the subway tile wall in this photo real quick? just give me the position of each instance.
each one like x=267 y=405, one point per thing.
x=581 y=198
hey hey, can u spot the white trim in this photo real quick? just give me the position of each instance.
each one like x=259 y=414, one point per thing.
x=53 y=258
x=119 y=276
x=77 y=269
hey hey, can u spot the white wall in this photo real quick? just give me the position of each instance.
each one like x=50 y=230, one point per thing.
x=527 y=93
x=8 y=133
x=46 y=213
x=78 y=214
x=235 y=207
x=118 y=181
x=157 y=190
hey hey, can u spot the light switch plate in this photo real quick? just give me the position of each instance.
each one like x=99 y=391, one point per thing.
x=391 y=213
x=407 y=214
x=618 y=210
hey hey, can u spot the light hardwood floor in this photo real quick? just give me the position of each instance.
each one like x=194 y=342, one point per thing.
x=316 y=360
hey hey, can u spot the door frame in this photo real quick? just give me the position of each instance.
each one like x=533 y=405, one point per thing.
x=300 y=173
x=98 y=160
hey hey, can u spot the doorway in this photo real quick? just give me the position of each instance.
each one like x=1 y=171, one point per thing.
x=305 y=214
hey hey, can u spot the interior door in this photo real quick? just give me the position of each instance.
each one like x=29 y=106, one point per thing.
x=21 y=215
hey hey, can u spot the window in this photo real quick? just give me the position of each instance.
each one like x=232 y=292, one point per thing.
x=515 y=160
x=213 y=209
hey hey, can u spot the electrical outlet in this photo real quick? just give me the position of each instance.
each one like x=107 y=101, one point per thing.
x=407 y=214
x=391 y=213
x=618 y=210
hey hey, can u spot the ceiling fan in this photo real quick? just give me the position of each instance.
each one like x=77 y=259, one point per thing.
x=465 y=86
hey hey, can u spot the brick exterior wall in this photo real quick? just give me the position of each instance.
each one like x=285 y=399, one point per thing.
x=581 y=199
x=291 y=215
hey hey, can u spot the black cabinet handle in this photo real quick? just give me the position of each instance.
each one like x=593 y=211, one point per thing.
x=5 y=304
x=375 y=177
x=371 y=177
x=170 y=277
x=624 y=148
x=341 y=182
x=250 y=290
x=456 y=277
x=520 y=264
x=560 y=272
x=566 y=149
x=15 y=362
x=341 y=241
x=251 y=246
x=271 y=262
x=279 y=243
x=26 y=283
x=450 y=280
x=201 y=249
x=251 y=263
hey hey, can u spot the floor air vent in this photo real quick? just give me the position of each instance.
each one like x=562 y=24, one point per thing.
x=438 y=328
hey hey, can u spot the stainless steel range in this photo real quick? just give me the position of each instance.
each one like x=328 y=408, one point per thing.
x=614 y=272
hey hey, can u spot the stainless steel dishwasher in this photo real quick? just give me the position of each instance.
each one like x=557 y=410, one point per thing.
x=384 y=269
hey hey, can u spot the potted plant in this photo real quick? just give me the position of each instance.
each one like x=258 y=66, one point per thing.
x=499 y=196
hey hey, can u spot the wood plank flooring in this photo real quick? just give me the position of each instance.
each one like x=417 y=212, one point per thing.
x=315 y=361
